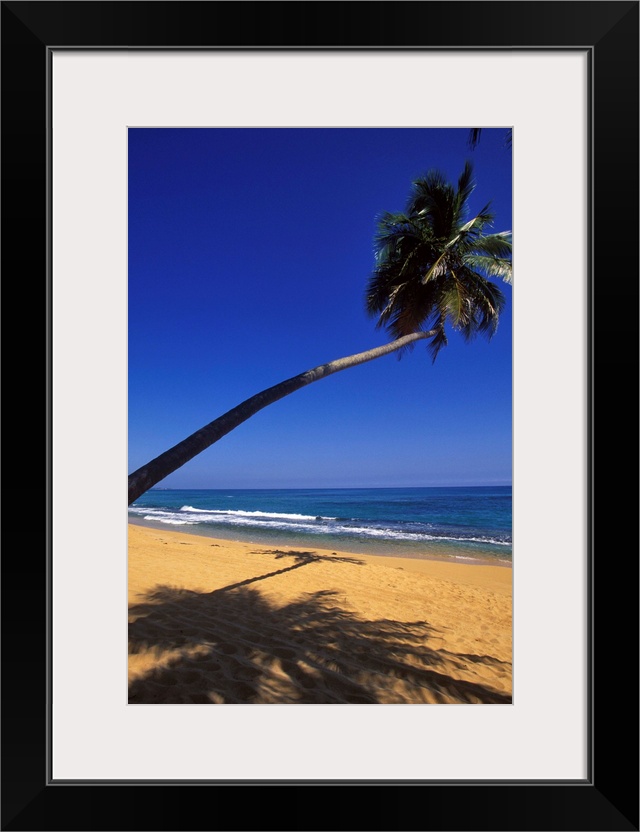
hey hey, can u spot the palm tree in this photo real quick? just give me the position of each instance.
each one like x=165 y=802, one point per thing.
x=433 y=267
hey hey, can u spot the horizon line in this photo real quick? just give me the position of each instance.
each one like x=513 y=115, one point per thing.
x=324 y=487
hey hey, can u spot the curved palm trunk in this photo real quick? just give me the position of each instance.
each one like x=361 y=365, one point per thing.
x=146 y=477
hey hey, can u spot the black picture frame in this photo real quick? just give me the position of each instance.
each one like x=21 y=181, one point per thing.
x=608 y=798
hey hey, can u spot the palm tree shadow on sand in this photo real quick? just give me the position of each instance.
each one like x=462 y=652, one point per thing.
x=234 y=646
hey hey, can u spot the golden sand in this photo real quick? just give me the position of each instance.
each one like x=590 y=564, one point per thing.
x=215 y=621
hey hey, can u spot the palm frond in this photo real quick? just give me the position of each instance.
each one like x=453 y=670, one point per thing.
x=490 y=266
x=495 y=245
x=438 y=341
x=457 y=302
x=474 y=137
x=487 y=302
x=483 y=218
x=437 y=268
x=432 y=202
x=466 y=186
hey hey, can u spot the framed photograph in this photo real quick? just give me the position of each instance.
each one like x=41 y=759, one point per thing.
x=88 y=89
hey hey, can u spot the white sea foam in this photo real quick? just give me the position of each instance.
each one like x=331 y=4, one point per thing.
x=240 y=513
x=301 y=524
x=169 y=520
x=298 y=523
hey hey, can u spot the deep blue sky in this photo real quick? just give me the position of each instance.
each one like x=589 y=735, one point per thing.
x=249 y=253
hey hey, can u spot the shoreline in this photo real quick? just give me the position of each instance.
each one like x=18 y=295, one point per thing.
x=217 y=621
x=366 y=549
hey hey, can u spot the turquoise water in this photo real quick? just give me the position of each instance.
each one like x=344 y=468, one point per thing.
x=462 y=523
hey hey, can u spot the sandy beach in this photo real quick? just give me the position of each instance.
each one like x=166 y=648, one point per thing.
x=213 y=621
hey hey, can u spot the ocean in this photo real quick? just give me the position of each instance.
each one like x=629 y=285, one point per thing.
x=467 y=524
